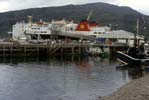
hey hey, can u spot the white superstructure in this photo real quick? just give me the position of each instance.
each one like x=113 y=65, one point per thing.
x=28 y=31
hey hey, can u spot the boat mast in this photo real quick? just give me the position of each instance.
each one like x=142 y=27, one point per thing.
x=137 y=26
x=136 y=33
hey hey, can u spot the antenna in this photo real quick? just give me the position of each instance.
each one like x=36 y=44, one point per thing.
x=137 y=26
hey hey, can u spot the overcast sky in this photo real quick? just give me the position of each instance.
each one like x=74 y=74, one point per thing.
x=7 y=5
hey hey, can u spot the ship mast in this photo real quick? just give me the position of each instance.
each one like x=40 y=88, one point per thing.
x=89 y=16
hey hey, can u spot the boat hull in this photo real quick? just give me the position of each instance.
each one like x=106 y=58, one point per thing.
x=126 y=59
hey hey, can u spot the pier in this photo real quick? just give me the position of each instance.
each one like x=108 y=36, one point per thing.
x=9 y=49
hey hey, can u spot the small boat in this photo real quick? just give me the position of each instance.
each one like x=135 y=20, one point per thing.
x=129 y=60
x=95 y=51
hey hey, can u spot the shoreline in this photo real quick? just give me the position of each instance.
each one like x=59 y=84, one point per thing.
x=137 y=89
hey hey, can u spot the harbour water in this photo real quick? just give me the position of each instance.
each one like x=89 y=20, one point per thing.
x=59 y=78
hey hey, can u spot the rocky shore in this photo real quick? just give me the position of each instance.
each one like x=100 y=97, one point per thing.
x=137 y=89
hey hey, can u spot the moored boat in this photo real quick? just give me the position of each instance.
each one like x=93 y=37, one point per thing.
x=129 y=60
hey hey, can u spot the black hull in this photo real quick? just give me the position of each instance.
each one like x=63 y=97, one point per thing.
x=124 y=58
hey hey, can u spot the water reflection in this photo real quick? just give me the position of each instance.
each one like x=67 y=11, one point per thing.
x=59 y=78
x=134 y=72
x=18 y=59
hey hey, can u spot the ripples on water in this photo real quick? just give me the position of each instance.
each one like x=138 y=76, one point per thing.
x=73 y=78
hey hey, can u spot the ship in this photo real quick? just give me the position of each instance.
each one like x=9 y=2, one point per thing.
x=63 y=29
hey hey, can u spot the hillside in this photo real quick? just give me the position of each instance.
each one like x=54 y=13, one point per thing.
x=103 y=14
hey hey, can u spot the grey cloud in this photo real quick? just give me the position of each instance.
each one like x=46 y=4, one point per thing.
x=108 y=1
x=24 y=4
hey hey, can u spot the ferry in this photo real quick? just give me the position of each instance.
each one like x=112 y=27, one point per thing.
x=84 y=30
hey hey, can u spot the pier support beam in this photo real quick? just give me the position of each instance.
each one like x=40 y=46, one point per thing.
x=4 y=50
x=25 y=51
x=79 y=50
x=11 y=51
x=37 y=51
x=72 y=49
x=61 y=51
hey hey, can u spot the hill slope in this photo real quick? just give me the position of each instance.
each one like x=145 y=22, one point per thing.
x=103 y=14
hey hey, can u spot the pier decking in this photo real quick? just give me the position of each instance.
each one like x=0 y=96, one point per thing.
x=7 y=49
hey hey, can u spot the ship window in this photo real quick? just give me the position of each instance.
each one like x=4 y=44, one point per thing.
x=95 y=32
x=93 y=35
x=45 y=32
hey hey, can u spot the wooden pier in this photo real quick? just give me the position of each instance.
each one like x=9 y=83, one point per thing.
x=52 y=49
